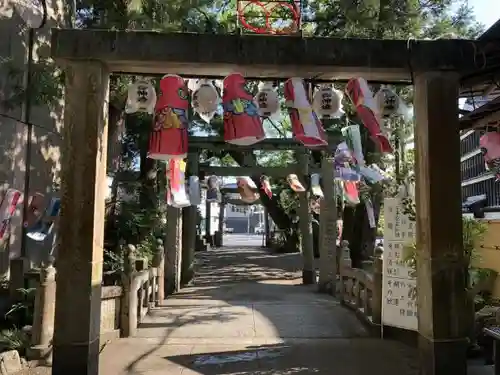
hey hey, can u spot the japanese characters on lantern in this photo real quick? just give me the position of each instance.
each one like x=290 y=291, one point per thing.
x=327 y=102
x=141 y=97
x=267 y=100
x=387 y=102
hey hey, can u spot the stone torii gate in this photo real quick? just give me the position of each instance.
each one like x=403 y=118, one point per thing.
x=89 y=56
x=302 y=168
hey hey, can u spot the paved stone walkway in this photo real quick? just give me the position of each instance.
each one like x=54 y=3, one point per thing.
x=248 y=314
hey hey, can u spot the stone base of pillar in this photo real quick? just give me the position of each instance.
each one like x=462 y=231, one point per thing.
x=308 y=277
x=326 y=288
x=41 y=354
x=200 y=244
x=187 y=275
x=16 y=279
x=218 y=239
x=76 y=359
x=446 y=357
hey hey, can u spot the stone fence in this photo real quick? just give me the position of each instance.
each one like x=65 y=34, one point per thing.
x=361 y=289
x=122 y=307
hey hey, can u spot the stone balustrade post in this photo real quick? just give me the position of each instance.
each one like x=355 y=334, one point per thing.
x=345 y=254
x=44 y=314
x=159 y=264
x=345 y=262
x=377 y=286
x=128 y=313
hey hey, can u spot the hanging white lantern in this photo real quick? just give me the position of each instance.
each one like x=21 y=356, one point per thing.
x=267 y=99
x=327 y=101
x=141 y=97
x=387 y=101
x=204 y=98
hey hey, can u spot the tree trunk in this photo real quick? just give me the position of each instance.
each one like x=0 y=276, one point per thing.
x=148 y=194
x=116 y=125
x=274 y=209
x=272 y=205
x=356 y=226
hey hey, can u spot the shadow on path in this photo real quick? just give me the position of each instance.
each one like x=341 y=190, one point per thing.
x=247 y=313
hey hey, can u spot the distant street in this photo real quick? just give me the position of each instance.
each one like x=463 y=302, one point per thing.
x=240 y=240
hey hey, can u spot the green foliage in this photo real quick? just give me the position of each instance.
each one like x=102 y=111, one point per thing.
x=14 y=339
x=472 y=233
x=21 y=313
x=341 y=18
x=47 y=88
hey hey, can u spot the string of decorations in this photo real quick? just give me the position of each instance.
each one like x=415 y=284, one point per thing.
x=243 y=116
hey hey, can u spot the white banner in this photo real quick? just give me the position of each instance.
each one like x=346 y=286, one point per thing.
x=399 y=291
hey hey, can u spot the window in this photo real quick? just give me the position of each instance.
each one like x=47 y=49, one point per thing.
x=472 y=167
x=469 y=143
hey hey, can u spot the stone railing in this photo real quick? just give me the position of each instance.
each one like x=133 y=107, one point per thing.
x=122 y=307
x=144 y=288
x=361 y=289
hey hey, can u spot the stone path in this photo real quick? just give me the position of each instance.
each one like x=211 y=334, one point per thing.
x=248 y=314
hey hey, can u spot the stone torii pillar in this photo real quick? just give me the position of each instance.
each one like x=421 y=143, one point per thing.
x=189 y=216
x=328 y=228
x=308 y=271
x=81 y=226
x=173 y=250
x=441 y=293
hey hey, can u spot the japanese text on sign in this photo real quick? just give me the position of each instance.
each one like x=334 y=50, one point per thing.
x=399 y=286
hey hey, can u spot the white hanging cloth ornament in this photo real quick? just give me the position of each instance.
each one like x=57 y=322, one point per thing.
x=316 y=186
x=267 y=100
x=194 y=190
x=205 y=98
x=327 y=102
x=176 y=174
x=294 y=183
x=141 y=97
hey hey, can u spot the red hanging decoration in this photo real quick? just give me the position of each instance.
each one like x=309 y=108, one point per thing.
x=306 y=126
x=35 y=209
x=169 y=138
x=177 y=187
x=242 y=123
x=266 y=186
x=490 y=147
x=11 y=200
x=246 y=193
x=361 y=96
x=295 y=184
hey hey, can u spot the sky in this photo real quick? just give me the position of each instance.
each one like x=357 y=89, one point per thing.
x=485 y=11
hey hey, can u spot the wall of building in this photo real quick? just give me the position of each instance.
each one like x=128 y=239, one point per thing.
x=489 y=250
x=476 y=179
x=46 y=114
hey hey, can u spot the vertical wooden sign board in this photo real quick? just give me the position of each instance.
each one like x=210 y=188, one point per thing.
x=399 y=286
